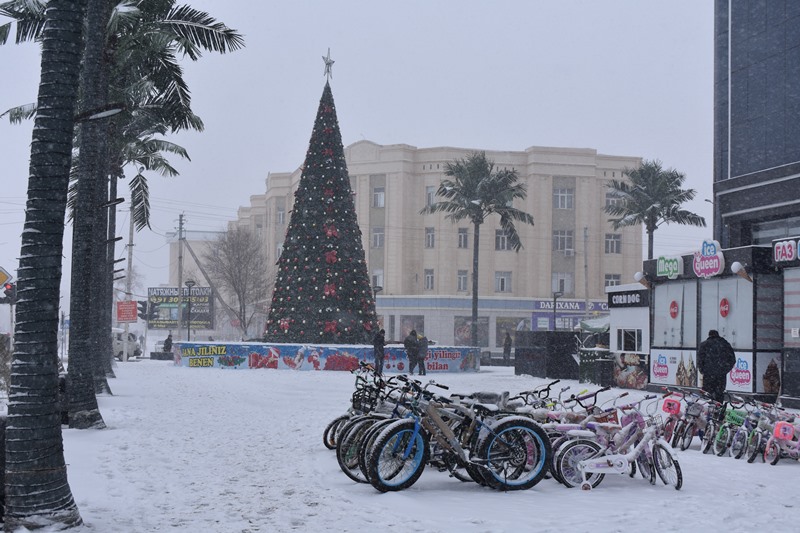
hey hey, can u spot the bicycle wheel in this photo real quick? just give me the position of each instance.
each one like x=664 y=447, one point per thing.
x=755 y=447
x=398 y=457
x=677 y=433
x=772 y=452
x=687 y=436
x=517 y=454
x=331 y=430
x=557 y=445
x=669 y=428
x=347 y=450
x=739 y=443
x=722 y=440
x=568 y=457
x=646 y=468
x=707 y=444
x=667 y=466
x=368 y=441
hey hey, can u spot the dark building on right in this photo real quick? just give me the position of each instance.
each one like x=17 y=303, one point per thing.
x=757 y=165
x=756 y=121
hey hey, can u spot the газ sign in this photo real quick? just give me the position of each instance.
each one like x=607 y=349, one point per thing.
x=784 y=251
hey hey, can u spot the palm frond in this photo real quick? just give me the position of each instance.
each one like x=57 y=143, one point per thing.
x=140 y=202
x=20 y=113
x=197 y=29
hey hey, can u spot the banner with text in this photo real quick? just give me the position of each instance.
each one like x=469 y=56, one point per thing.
x=164 y=304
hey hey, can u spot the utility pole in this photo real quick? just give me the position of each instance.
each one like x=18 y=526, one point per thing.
x=180 y=274
x=128 y=283
x=586 y=271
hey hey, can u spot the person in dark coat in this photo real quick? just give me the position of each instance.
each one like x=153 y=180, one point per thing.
x=168 y=343
x=411 y=344
x=715 y=359
x=423 y=353
x=507 y=348
x=378 y=345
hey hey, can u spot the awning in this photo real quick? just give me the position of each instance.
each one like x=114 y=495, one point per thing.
x=596 y=325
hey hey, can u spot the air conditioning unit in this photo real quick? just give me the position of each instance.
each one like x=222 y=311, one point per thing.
x=569 y=253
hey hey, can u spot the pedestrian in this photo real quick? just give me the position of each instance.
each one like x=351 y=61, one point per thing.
x=168 y=343
x=411 y=344
x=422 y=354
x=715 y=359
x=378 y=345
x=507 y=348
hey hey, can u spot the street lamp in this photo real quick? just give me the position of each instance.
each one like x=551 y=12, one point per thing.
x=556 y=296
x=189 y=284
x=375 y=290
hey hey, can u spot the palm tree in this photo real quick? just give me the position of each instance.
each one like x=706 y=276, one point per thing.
x=651 y=196
x=476 y=191
x=37 y=491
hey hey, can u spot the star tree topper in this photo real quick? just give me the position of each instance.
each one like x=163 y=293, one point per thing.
x=328 y=64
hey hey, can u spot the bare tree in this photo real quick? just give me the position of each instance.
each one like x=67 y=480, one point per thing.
x=236 y=263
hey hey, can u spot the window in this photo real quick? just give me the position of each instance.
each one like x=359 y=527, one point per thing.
x=377 y=237
x=563 y=241
x=612 y=199
x=562 y=198
x=429 y=237
x=562 y=282
x=377 y=277
x=280 y=216
x=463 y=238
x=501 y=240
x=613 y=243
x=502 y=282
x=430 y=195
x=378 y=197
x=629 y=340
x=462 y=281
x=612 y=280
x=428 y=279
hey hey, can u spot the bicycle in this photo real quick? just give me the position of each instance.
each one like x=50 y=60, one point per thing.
x=639 y=440
x=366 y=396
x=503 y=452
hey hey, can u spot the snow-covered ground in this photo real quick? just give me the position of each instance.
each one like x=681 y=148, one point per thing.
x=208 y=450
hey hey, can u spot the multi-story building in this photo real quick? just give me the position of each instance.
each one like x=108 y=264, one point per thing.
x=421 y=265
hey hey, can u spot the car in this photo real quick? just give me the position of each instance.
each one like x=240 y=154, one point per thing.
x=134 y=348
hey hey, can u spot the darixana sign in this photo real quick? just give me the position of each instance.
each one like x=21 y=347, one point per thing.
x=709 y=261
x=670 y=267
x=784 y=251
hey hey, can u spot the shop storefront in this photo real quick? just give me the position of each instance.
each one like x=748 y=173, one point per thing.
x=738 y=292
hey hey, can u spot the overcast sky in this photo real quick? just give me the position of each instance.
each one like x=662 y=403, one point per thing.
x=625 y=77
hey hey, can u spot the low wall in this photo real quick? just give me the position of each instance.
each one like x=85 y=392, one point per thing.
x=242 y=355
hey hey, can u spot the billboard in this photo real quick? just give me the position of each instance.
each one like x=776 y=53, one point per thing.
x=165 y=304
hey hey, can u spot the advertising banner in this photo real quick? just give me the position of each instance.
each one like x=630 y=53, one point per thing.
x=317 y=357
x=740 y=378
x=164 y=304
x=673 y=367
x=127 y=311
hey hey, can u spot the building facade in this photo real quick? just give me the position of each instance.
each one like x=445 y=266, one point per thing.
x=421 y=265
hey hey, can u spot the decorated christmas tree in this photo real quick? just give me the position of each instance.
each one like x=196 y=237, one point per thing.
x=322 y=290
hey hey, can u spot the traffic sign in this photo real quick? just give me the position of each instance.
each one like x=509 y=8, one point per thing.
x=4 y=276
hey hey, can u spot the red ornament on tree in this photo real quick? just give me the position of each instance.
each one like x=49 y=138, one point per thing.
x=329 y=289
x=330 y=231
x=330 y=257
x=330 y=326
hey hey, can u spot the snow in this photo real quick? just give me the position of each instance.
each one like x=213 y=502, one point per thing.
x=211 y=450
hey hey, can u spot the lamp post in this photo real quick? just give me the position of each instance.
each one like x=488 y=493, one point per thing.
x=556 y=296
x=189 y=284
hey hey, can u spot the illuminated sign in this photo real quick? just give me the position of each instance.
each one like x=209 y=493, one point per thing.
x=669 y=267
x=709 y=261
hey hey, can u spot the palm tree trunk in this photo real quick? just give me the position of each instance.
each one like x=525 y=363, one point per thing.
x=37 y=490
x=473 y=331
x=87 y=284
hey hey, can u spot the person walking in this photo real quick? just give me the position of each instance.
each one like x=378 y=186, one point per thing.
x=168 y=343
x=378 y=345
x=715 y=359
x=422 y=354
x=411 y=344
x=507 y=349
